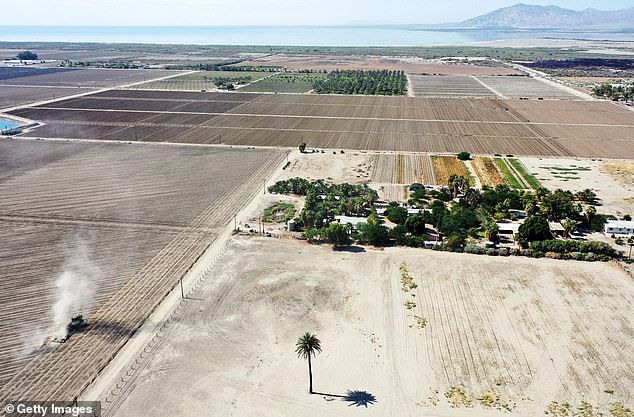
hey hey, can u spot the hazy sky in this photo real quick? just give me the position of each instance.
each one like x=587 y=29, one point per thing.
x=266 y=12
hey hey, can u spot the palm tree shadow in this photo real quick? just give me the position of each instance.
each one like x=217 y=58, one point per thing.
x=357 y=398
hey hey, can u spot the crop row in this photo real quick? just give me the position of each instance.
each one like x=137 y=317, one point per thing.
x=487 y=171
x=152 y=210
x=446 y=166
x=403 y=169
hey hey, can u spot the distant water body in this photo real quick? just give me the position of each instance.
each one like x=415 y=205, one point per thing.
x=284 y=35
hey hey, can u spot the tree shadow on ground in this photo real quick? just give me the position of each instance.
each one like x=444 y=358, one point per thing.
x=349 y=248
x=357 y=398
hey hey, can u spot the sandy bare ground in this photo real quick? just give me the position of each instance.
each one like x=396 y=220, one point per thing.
x=351 y=167
x=616 y=194
x=533 y=331
x=355 y=62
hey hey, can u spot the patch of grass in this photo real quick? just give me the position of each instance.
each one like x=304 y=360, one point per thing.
x=618 y=409
x=529 y=178
x=407 y=281
x=508 y=175
x=457 y=397
x=491 y=399
x=278 y=213
x=556 y=409
x=572 y=168
x=410 y=305
x=421 y=322
x=285 y=83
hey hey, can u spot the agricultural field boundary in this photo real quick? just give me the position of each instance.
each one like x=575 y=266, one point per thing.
x=33 y=380
x=116 y=380
x=87 y=93
x=493 y=90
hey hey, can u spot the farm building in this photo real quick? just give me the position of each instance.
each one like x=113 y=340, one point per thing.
x=519 y=214
x=619 y=227
x=508 y=228
x=557 y=229
x=354 y=221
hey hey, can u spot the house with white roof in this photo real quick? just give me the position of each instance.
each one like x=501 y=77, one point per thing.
x=619 y=227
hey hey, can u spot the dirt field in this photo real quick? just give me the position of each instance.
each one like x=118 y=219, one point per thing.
x=350 y=167
x=89 y=78
x=446 y=166
x=448 y=86
x=407 y=124
x=403 y=169
x=616 y=194
x=518 y=87
x=123 y=222
x=17 y=91
x=18 y=95
x=409 y=65
x=531 y=330
x=487 y=172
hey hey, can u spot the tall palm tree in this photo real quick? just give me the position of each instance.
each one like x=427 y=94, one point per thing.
x=307 y=346
x=569 y=226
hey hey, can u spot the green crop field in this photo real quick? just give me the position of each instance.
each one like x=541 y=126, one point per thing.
x=508 y=175
x=528 y=178
x=284 y=83
x=196 y=81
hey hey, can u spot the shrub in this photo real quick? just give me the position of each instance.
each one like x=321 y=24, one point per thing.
x=473 y=248
x=503 y=252
x=535 y=228
x=373 y=234
x=464 y=156
x=531 y=253
x=590 y=257
x=567 y=246
x=491 y=252
x=396 y=214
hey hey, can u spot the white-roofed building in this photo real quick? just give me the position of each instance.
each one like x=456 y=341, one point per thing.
x=619 y=227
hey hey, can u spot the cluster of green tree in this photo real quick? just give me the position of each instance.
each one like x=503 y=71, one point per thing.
x=229 y=83
x=614 y=92
x=568 y=246
x=91 y=64
x=378 y=82
x=278 y=212
x=474 y=215
x=325 y=201
x=211 y=66
x=27 y=56
x=584 y=64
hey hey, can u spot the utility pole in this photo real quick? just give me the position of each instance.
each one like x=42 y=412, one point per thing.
x=235 y=223
x=182 y=292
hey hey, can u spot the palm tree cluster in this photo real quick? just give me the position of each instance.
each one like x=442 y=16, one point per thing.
x=324 y=201
x=377 y=82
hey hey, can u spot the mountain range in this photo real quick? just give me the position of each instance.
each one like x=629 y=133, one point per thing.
x=532 y=16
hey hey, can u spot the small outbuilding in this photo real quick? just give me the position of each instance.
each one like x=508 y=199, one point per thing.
x=619 y=227
x=508 y=228
x=557 y=229
x=354 y=221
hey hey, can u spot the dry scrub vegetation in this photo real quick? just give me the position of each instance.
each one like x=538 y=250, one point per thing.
x=446 y=166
